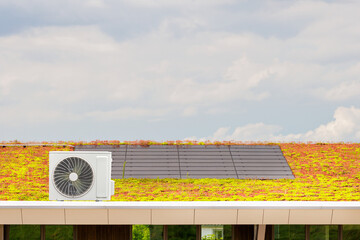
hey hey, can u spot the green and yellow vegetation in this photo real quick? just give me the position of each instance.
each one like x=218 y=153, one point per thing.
x=324 y=172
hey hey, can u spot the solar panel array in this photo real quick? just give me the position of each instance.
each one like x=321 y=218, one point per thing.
x=196 y=161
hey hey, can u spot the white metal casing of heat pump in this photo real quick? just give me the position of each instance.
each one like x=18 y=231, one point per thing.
x=102 y=187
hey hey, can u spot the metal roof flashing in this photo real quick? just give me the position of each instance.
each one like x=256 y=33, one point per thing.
x=185 y=205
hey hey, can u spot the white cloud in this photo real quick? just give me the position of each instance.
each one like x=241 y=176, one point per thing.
x=249 y=132
x=96 y=3
x=248 y=74
x=127 y=113
x=189 y=111
x=343 y=91
x=177 y=3
x=50 y=5
x=221 y=133
x=80 y=67
x=206 y=61
x=34 y=114
x=66 y=69
x=344 y=127
x=237 y=87
x=175 y=25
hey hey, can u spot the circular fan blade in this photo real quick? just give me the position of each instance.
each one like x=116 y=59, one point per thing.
x=83 y=182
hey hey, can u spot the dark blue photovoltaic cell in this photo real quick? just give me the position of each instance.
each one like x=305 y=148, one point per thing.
x=196 y=161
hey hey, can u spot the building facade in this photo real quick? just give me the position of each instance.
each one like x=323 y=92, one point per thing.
x=182 y=220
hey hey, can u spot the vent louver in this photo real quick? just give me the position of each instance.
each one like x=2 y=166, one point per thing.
x=73 y=177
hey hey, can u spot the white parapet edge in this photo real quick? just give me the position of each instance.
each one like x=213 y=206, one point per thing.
x=184 y=205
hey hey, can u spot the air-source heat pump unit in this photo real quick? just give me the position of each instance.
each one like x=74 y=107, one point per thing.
x=80 y=175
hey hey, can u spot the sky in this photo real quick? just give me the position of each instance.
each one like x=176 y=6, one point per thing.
x=241 y=70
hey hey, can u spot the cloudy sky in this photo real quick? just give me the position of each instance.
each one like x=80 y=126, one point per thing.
x=269 y=70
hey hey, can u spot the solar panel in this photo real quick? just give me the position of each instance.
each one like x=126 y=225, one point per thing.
x=154 y=161
x=260 y=162
x=196 y=161
x=206 y=161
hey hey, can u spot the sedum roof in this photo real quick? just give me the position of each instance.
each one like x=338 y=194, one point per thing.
x=323 y=172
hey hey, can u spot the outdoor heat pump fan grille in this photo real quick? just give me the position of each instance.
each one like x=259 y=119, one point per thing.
x=73 y=177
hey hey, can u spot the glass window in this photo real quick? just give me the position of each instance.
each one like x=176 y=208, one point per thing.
x=289 y=232
x=324 y=232
x=212 y=232
x=351 y=232
x=59 y=232
x=156 y=232
x=20 y=232
x=182 y=232
x=227 y=232
x=141 y=232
